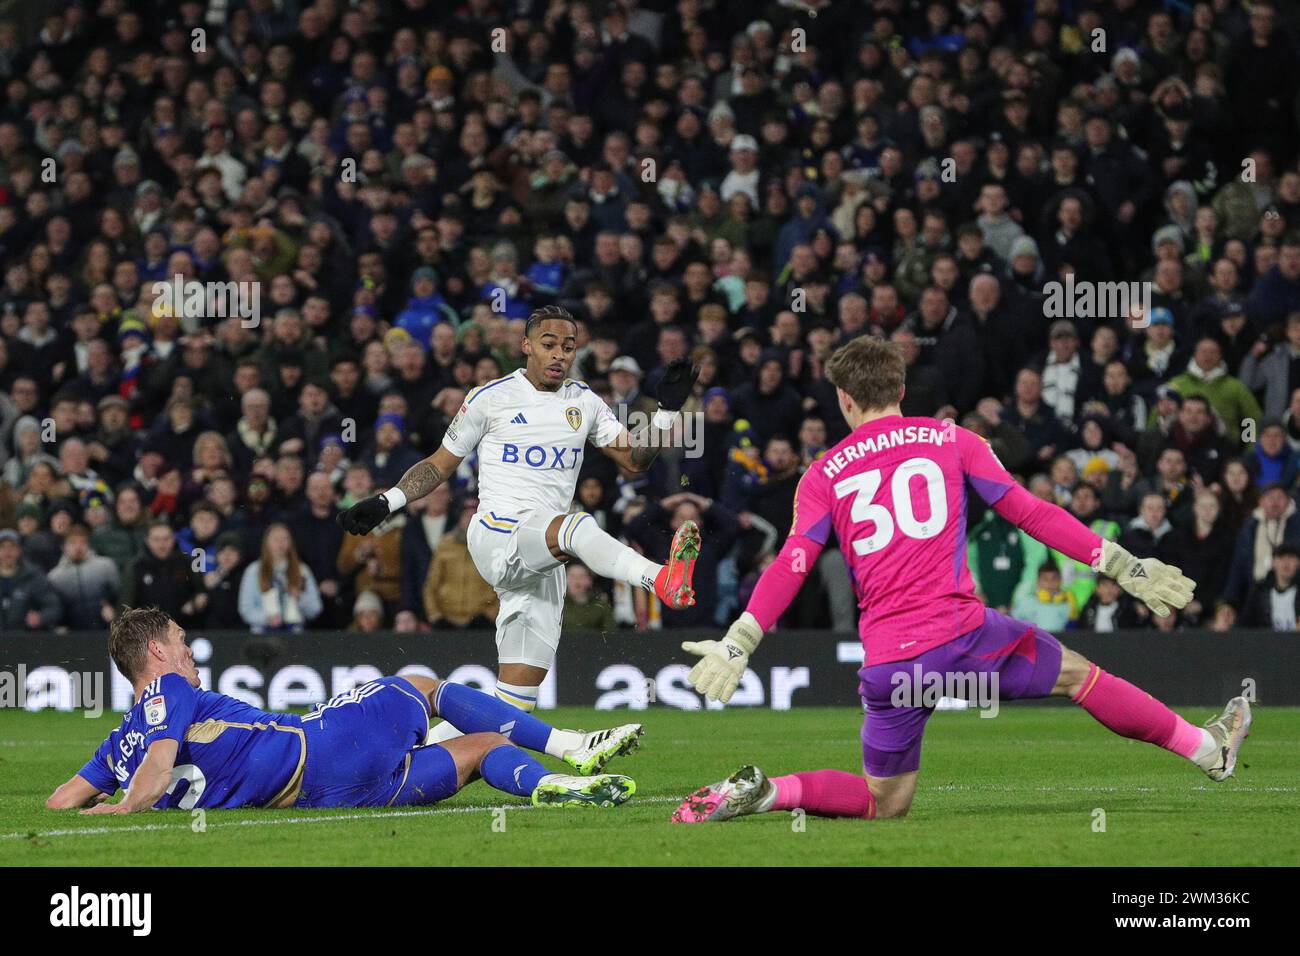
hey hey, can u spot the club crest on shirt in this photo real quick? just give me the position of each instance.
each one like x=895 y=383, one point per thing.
x=155 y=710
x=574 y=415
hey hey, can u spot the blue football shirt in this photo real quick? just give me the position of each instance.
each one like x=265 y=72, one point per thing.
x=230 y=753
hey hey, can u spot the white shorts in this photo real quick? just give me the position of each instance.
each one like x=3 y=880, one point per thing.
x=510 y=552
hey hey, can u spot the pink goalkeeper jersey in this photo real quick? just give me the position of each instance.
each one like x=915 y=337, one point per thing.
x=894 y=492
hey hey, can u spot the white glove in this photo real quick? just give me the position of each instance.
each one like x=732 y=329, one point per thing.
x=1157 y=585
x=722 y=663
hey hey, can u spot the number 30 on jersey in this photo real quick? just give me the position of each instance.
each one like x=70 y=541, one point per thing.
x=863 y=487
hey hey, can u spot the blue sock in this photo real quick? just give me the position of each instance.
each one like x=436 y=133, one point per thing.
x=511 y=770
x=472 y=712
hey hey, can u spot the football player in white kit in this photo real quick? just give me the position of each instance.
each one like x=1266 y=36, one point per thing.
x=530 y=430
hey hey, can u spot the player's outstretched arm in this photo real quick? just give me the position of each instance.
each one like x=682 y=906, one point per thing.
x=1157 y=585
x=150 y=781
x=636 y=452
x=364 y=516
x=75 y=794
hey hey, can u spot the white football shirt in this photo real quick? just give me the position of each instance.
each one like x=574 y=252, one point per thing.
x=530 y=442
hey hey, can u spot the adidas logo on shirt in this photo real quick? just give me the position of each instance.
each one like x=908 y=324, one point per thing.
x=519 y=420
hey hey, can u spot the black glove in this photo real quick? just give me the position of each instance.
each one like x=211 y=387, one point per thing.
x=364 y=516
x=676 y=384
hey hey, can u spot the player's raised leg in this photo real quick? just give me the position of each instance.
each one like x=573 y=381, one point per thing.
x=579 y=535
x=470 y=711
x=431 y=774
x=1131 y=712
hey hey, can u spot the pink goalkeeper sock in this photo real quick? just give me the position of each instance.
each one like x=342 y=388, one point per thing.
x=1133 y=713
x=825 y=793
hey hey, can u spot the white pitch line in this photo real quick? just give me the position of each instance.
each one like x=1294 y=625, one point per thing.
x=280 y=821
x=437 y=811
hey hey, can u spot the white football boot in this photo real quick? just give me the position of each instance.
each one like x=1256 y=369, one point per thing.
x=1229 y=729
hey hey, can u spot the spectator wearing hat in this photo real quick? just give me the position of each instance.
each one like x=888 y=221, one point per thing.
x=744 y=174
x=425 y=307
x=625 y=377
x=113 y=447
x=1070 y=378
x=1153 y=355
x=1275 y=370
x=367 y=614
x=86 y=583
x=704 y=472
x=1237 y=337
x=28 y=451
x=390 y=456
x=27 y=601
x=27 y=519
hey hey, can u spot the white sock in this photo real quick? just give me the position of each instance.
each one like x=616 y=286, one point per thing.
x=1208 y=746
x=525 y=698
x=442 y=732
x=517 y=695
x=562 y=741
x=583 y=538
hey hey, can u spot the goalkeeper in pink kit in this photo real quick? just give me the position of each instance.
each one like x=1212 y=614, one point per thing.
x=894 y=493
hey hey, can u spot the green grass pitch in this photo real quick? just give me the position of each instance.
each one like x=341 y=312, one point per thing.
x=1022 y=788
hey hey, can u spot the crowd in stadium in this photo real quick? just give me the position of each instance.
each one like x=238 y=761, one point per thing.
x=746 y=184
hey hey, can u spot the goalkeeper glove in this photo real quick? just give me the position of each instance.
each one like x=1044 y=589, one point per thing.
x=722 y=663
x=1157 y=585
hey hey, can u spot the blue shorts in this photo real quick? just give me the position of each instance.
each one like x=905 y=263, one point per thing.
x=1017 y=659
x=365 y=748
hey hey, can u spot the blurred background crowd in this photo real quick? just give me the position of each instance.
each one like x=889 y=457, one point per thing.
x=747 y=184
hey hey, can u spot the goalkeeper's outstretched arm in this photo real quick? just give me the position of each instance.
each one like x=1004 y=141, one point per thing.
x=1157 y=585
